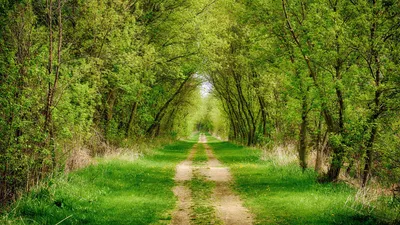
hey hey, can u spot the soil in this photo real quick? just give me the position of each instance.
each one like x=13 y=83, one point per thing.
x=184 y=172
x=229 y=207
x=182 y=213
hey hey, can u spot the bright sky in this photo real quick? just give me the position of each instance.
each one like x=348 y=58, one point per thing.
x=205 y=88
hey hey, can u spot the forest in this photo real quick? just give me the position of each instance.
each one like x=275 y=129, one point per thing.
x=319 y=78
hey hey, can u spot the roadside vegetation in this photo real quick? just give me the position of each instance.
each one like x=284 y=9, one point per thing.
x=112 y=191
x=283 y=194
x=314 y=83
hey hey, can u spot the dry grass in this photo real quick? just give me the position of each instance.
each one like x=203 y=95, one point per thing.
x=79 y=158
x=312 y=158
x=362 y=201
x=373 y=201
x=124 y=154
x=281 y=154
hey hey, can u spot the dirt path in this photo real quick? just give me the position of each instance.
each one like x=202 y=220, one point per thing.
x=228 y=206
x=184 y=172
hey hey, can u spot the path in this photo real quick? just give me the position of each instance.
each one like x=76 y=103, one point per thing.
x=184 y=172
x=228 y=206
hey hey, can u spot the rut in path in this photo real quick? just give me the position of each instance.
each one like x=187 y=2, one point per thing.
x=228 y=206
x=184 y=172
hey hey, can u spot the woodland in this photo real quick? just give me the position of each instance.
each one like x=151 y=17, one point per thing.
x=322 y=76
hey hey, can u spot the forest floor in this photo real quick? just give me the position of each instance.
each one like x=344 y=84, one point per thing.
x=189 y=182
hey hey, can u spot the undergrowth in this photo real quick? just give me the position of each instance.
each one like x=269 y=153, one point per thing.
x=112 y=192
x=282 y=194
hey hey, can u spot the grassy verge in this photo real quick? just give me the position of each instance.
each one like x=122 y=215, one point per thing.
x=112 y=192
x=283 y=194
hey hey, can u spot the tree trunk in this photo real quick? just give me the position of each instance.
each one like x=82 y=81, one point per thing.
x=321 y=145
x=50 y=65
x=338 y=151
x=154 y=128
x=263 y=115
x=378 y=107
x=52 y=87
x=303 y=133
x=131 y=118
x=56 y=78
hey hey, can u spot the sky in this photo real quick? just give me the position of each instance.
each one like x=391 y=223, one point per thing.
x=205 y=88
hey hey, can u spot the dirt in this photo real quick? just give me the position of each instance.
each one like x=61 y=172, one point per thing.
x=182 y=213
x=214 y=170
x=184 y=170
x=229 y=207
x=202 y=139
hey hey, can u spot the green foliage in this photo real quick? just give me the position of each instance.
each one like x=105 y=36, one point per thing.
x=321 y=74
x=106 y=193
x=110 y=71
x=293 y=71
x=283 y=194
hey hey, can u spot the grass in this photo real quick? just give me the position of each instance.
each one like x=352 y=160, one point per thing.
x=201 y=188
x=203 y=211
x=278 y=194
x=140 y=192
x=200 y=157
x=111 y=192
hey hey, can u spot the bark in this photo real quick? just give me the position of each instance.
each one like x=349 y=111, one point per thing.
x=154 y=128
x=264 y=115
x=56 y=78
x=245 y=107
x=378 y=105
x=321 y=145
x=50 y=64
x=53 y=86
x=131 y=119
x=225 y=92
x=303 y=133
x=336 y=128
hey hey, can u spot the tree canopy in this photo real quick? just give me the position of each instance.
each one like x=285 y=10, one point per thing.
x=320 y=74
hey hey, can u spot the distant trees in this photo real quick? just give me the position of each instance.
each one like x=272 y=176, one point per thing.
x=320 y=73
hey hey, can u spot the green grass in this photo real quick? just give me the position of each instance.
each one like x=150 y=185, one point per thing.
x=200 y=157
x=203 y=211
x=212 y=139
x=112 y=192
x=193 y=138
x=201 y=189
x=140 y=192
x=283 y=194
